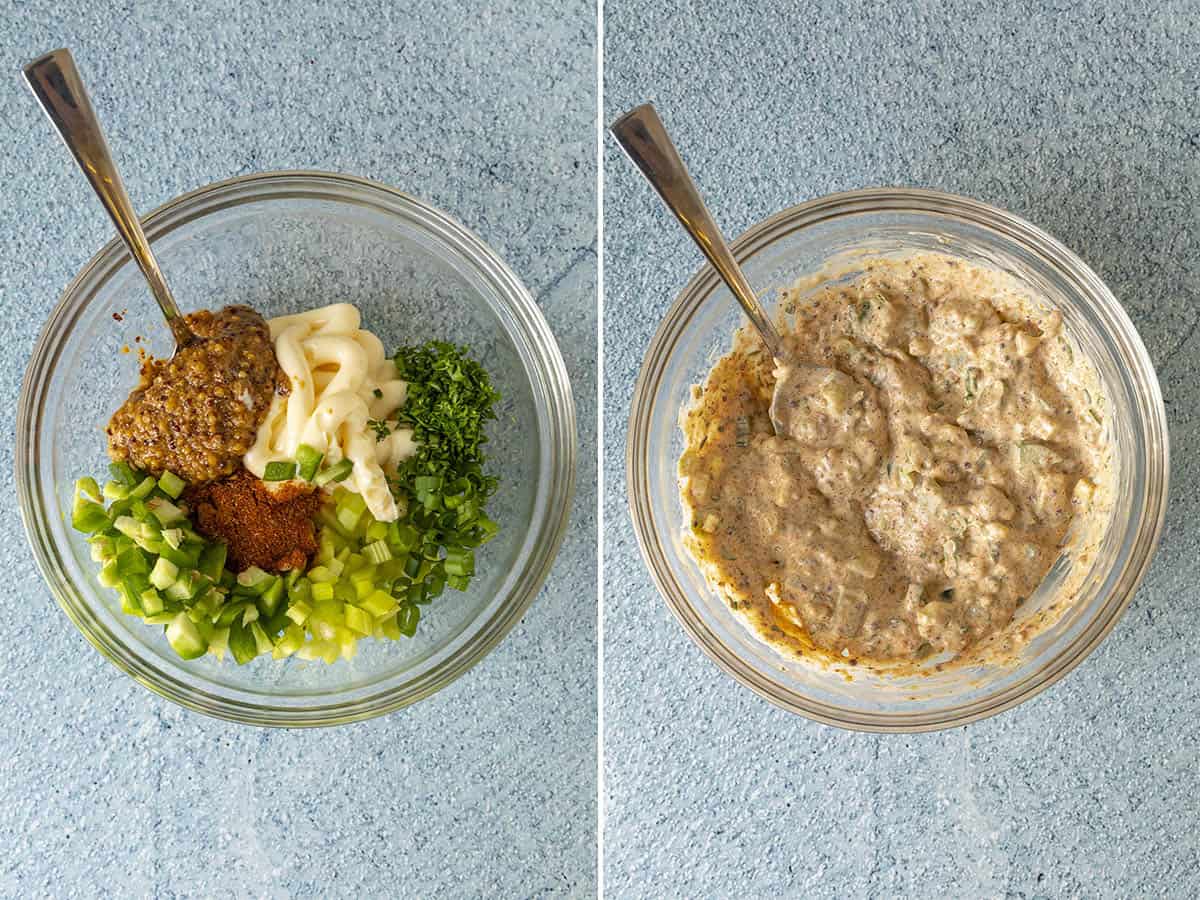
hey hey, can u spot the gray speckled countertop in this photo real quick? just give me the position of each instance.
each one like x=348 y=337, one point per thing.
x=487 y=789
x=1083 y=118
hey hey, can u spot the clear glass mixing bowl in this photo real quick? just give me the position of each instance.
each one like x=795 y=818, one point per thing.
x=282 y=242
x=698 y=329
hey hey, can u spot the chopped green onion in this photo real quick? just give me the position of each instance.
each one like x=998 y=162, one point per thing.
x=339 y=471
x=280 y=470
x=308 y=461
x=407 y=618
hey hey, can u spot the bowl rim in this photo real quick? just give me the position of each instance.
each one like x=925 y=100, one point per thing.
x=553 y=383
x=689 y=300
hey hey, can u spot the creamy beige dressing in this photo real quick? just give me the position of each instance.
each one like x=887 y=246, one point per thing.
x=942 y=437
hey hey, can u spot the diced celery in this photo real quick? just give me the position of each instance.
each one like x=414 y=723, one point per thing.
x=184 y=637
x=87 y=487
x=250 y=614
x=299 y=612
x=289 y=642
x=390 y=628
x=377 y=552
x=164 y=573
x=218 y=644
x=185 y=587
x=358 y=620
x=348 y=519
x=242 y=643
x=124 y=473
x=115 y=491
x=255 y=578
x=166 y=617
x=212 y=560
x=262 y=643
x=132 y=560
x=173 y=536
x=347 y=643
x=458 y=582
x=231 y=613
x=185 y=557
x=269 y=601
x=165 y=511
x=354 y=562
x=171 y=484
x=300 y=591
x=377 y=531
x=330 y=524
x=129 y=601
x=143 y=489
x=109 y=577
x=378 y=604
x=102 y=548
x=363 y=587
x=321 y=575
x=87 y=516
x=322 y=590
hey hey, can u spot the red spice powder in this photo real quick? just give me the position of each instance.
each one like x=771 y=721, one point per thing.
x=271 y=529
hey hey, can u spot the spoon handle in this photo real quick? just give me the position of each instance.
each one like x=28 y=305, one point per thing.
x=642 y=136
x=56 y=84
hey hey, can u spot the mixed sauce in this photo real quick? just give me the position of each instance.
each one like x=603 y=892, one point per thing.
x=284 y=488
x=942 y=441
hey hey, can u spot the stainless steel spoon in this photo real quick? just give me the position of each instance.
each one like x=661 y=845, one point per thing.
x=56 y=84
x=645 y=141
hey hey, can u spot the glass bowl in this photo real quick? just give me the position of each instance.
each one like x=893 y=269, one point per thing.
x=283 y=242
x=699 y=328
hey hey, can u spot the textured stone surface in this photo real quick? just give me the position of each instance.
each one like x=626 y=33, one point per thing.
x=487 y=789
x=1080 y=117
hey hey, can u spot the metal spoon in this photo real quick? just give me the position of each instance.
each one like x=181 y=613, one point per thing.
x=56 y=84
x=645 y=141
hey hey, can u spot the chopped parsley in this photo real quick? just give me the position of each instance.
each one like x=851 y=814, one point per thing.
x=380 y=428
x=449 y=401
